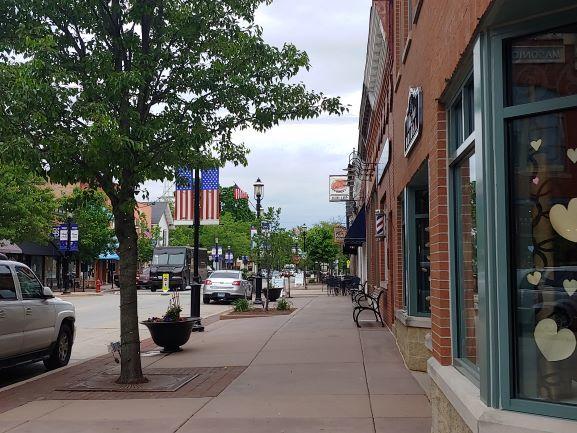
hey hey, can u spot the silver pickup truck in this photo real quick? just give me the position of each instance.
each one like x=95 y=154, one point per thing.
x=34 y=325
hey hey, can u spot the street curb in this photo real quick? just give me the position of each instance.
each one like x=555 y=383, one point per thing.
x=208 y=320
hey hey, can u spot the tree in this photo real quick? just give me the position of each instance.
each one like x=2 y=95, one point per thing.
x=239 y=209
x=273 y=246
x=116 y=92
x=320 y=244
x=90 y=211
x=147 y=240
x=27 y=209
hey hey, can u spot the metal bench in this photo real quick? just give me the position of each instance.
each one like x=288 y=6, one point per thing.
x=368 y=302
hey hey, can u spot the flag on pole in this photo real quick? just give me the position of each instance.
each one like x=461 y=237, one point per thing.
x=239 y=194
x=209 y=197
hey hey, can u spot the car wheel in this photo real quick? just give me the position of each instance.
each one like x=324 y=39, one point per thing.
x=206 y=299
x=62 y=350
x=153 y=289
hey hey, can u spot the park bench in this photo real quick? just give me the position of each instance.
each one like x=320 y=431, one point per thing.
x=368 y=301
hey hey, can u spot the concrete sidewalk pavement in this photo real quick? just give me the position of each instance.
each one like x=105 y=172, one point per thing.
x=311 y=371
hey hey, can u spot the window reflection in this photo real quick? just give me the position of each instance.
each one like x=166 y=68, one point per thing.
x=542 y=66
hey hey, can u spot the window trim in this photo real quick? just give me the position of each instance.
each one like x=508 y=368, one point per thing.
x=498 y=388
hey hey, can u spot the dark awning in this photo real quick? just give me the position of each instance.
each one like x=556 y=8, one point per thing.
x=356 y=234
x=34 y=249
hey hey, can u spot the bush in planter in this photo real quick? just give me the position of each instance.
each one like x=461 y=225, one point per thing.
x=241 y=305
x=283 y=304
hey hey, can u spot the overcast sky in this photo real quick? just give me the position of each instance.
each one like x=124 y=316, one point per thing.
x=295 y=159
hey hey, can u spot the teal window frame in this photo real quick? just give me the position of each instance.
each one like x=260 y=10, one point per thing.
x=410 y=254
x=461 y=145
x=497 y=376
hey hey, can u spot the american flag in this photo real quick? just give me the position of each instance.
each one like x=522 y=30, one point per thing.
x=209 y=197
x=239 y=194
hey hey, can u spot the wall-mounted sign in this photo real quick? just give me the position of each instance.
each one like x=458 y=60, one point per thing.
x=338 y=188
x=340 y=232
x=379 y=223
x=384 y=159
x=545 y=54
x=413 y=118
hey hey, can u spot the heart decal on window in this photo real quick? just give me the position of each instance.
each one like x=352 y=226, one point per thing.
x=534 y=278
x=572 y=155
x=554 y=344
x=570 y=286
x=536 y=144
x=564 y=220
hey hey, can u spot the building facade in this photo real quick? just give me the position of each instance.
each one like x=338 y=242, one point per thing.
x=468 y=152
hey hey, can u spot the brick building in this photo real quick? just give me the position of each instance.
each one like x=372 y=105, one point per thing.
x=468 y=146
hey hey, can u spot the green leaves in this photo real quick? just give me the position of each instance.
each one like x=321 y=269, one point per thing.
x=27 y=206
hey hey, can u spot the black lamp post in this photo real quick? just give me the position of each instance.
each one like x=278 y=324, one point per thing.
x=258 y=195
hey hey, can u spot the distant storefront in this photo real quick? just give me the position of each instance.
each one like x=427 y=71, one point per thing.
x=44 y=260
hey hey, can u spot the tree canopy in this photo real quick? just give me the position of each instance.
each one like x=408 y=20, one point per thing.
x=320 y=244
x=117 y=92
x=90 y=211
x=27 y=210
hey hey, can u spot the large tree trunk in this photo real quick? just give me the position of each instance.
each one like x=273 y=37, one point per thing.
x=125 y=227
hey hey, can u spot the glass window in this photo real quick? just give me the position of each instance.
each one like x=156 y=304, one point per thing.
x=464 y=228
x=230 y=274
x=29 y=284
x=467 y=295
x=542 y=66
x=165 y=258
x=7 y=287
x=542 y=153
x=423 y=261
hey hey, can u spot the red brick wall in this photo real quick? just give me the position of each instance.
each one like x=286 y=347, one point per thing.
x=443 y=32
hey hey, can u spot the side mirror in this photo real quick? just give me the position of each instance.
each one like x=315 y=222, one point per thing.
x=47 y=292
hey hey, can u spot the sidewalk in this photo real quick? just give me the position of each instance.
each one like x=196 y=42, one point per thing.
x=312 y=371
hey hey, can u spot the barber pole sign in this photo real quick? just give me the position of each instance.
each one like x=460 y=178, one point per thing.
x=380 y=223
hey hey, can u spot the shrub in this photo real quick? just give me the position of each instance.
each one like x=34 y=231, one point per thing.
x=241 y=305
x=283 y=304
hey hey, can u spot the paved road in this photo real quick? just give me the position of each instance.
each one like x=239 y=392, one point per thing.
x=98 y=324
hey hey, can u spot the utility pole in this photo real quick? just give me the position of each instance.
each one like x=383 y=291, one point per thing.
x=196 y=284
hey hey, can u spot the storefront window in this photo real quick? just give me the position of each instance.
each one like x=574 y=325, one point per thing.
x=542 y=66
x=466 y=259
x=543 y=197
x=464 y=229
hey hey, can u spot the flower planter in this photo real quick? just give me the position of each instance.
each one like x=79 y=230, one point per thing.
x=273 y=294
x=170 y=335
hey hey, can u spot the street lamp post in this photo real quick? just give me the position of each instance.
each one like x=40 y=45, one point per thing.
x=258 y=195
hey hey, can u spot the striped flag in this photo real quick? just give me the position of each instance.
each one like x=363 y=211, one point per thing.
x=239 y=194
x=209 y=197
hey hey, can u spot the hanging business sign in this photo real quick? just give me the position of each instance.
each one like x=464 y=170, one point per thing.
x=338 y=188
x=379 y=223
x=413 y=118
x=339 y=234
x=384 y=160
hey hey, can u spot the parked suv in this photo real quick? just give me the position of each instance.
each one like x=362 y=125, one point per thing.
x=34 y=325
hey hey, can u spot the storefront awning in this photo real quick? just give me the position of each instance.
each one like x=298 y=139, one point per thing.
x=109 y=256
x=356 y=234
x=34 y=249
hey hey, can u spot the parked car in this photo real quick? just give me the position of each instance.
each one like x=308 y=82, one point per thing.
x=34 y=325
x=143 y=278
x=226 y=286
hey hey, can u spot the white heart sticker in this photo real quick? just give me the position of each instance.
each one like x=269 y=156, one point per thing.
x=572 y=155
x=536 y=144
x=534 y=278
x=570 y=286
x=564 y=220
x=554 y=345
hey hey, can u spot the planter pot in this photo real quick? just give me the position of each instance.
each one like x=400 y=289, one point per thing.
x=274 y=294
x=170 y=335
